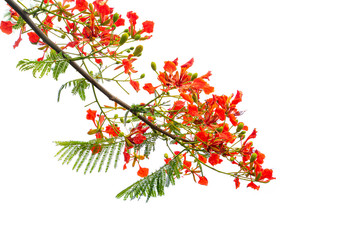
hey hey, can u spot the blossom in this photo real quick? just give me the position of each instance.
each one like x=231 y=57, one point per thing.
x=102 y=8
x=17 y=42
x=221 y=113
x=143 y=172
x=214 y=159
x=96 y=149
x=112 y=130
x=138 y=139
x=237 y=183
x=148 y=26
x=193 y=110
x=33 y=37
x=81 y=5
x=132 y=17
x=203 y=181
x=149 y=88
x=202 y=158
x=253 y=185
x=135 y=85
x=91 y=115
x=120 y=22
x=170 y=67
x=6 y=27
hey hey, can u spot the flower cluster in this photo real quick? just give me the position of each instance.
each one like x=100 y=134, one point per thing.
x=201 y=128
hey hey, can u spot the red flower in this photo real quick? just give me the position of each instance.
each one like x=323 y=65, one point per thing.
x=252 y=135
x=33 y=37
x=221 y=113
x=96 y=149
x=188 y=64
x=193 y=110
x=149 y=88
x=91 y=115
x=214 y=159
x=127 y=63
x=17 y=42
x=267 y=173
x=237 y=183
x=126 y=156
x=237 y=99
x=203 y=181
x=98 y=61
x=6 y=27
x=233 y=119
x=120 y=22
x=148 y=26
x=135 y=85
x=178 y=105
x=203 y=136
x=112 y=130
x=138 y=139
x=143 y=172
x=81 y=5
x=187 y=164
x=132 y=17
x=253 y=185
x=102 y=8
x=202 y=158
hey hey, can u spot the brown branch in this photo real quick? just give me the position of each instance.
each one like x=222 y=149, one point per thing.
x=46 y=40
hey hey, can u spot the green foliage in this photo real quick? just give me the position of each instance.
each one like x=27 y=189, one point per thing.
x=79 y=86
x=154 y=184
x=53 y=61
x=81 y=151
x=20 y=22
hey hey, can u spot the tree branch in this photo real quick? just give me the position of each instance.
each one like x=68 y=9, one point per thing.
x=46 y=40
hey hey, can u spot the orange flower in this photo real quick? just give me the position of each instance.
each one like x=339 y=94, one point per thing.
x=135 y=85
x=202 y=158
x=187 y=97
x=253 y=185
x=149 y=88
x=143 y=172
x=96 y=149
x=203 y=181
x=221 y=113
x=170 y=67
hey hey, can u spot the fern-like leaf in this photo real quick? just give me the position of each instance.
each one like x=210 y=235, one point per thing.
x=79 y=87
x=154 y=184
x=82 y=150
x=42 y=68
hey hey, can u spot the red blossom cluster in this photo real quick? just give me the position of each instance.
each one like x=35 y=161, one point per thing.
x=203 y=123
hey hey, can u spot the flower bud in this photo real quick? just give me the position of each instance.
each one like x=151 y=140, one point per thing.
x=116 y=17
x=106 y=22
x=153 y=66
x=137 y=37
x=166 y=155
x=123 y=38
x=138 y=50
x=142 y=75
x=239 y=127
x=258 y=176
x=116 y=116
x=126 y=30
x=194 y=76
x=253 y=157
x=92 y=131
x=91 y=7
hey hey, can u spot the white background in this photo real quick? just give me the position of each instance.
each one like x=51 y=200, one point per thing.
x=297 y=63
